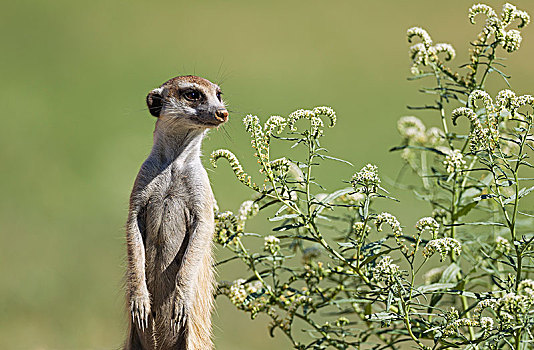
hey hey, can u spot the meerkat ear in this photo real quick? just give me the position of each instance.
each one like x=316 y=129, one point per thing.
x=154 y=101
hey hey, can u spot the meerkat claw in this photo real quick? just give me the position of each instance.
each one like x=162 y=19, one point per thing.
x=140 y=309
x=179 y=317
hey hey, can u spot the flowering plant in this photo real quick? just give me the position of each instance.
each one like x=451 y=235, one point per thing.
x=460 y=278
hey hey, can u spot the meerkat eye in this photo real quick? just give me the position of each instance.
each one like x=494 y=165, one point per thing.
x=193 y=95
x=219 y=96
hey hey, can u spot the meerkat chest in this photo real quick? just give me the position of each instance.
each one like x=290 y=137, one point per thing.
x=181 y=187
x=177 y=201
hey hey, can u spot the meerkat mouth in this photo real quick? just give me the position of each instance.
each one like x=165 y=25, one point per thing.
x=211 y=123
x=221 y=119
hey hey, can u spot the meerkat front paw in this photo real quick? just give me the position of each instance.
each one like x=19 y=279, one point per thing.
x=140 y=308
x=180 y=313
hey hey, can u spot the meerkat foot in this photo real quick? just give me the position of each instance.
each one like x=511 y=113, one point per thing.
x=140 y=309
x=179 y=315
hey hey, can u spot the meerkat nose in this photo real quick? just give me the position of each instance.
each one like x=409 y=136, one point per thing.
x=221 y=114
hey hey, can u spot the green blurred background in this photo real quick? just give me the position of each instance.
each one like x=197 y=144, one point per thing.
x=73 y=80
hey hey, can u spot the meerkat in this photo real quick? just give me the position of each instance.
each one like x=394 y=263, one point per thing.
x=170 y=224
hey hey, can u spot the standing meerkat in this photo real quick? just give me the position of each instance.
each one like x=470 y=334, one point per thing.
x=170 y=223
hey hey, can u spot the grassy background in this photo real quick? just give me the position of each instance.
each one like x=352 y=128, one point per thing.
x=74 y=76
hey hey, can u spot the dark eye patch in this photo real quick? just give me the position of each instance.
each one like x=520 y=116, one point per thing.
x=219 y=96
x=192 y=95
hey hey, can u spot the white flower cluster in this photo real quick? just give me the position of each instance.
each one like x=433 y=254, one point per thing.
x=510 y=306
x=481 y=8
x=444 y=246
x=275 y=124
x=422 y=54
x=452 y=314
x=235 y=165
x=385 y=271
x=484 y=304
x=483 y=135
x=314 y=117
x=293 y=303
x=454 y=322
x=485 y=131
x=414 y=132
x=510 y=40
x=271 y=244
x=366 y=180
x=454 y=161
x=434 y=136
x=280 y=166
x=486 y=323
x=253 y=287
x=238 y=293
x=503 y=245
x=226 y=227
x=390 y=220
x=428 y=223
x=395 y=227
x=352 y=198
x=421 y=33
x=507 y=100
x=477 y=320
x=526 y=288
x=486 y=101
x=361 y=229
x=260 y=140
x=247 y=209
x=412 y=129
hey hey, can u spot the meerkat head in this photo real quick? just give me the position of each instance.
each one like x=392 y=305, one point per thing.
x=193 y=101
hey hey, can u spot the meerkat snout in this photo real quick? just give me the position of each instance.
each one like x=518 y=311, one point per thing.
x=221 y=114
x=194 y=100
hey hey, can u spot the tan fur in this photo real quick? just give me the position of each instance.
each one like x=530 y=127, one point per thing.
x=169 y=231
x=200 y=325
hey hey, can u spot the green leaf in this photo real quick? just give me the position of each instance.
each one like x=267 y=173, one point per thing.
x=522 y=193
x=348 y=300
x=383 y=316
x=481 y=223
x=284 y=217
x=469 y=194
x=282 y=208
x=375 y=256
x=450 y=273
x=288 y=227
x=435 y=286
x=464 y=210
x=334 y=158
x=430 y=149
x=333 y=196
x=389 y=301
